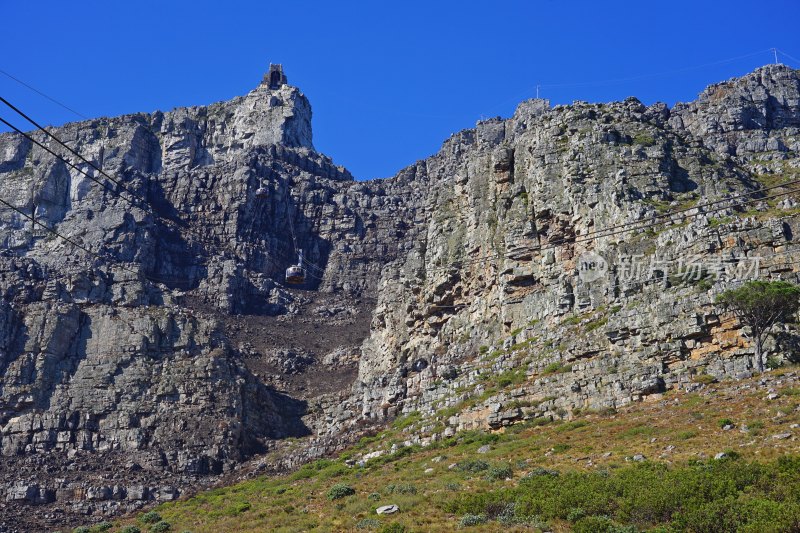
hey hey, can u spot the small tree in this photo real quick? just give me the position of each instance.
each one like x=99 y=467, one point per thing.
x=760 y=305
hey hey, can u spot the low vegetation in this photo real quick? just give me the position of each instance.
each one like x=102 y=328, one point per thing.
x=644 y=139
x=340 y=490
x=722 y=495
x=645 y=467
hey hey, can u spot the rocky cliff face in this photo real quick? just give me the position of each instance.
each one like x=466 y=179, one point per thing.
x=132 y=356
x=177 y=352
x=664 y=197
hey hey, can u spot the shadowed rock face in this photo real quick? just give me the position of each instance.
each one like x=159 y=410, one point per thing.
x=180 y=352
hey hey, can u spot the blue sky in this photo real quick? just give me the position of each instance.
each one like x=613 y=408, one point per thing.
x=388 y=81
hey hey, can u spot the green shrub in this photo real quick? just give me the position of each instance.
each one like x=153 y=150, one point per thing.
x=407 y=420
x=600 y=524
x=477 y=436
x=538 y=421
x=510 y=377
x=714 y=516
x=705 y=379
x=150 y=517
x=508 y=515
x=773 y=362
x=731 y=455
x=102 y=526
x=238 y=508
x=594 y=324
x=375 y=496
x=644 y=139
x=160 y=527
x=569 y=426
x=401 y=489
x=81 y=529
x=705 y=283
x=553 y=368
x=499 y=472
x=541 y=471
x=726 y=422
x=335 y=470
x=472 y=520
x=368 y=523
x=130 y=529
x=314 y=469
x=593 y=524
x=340 y=490
x=704 y=496
x=642 y=430
x=576 y=514
x=472 y=466
x=718 y=221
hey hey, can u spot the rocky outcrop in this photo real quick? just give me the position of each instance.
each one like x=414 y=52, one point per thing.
x=764 y=101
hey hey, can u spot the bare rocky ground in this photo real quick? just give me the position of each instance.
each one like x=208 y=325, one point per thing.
x=309 y=352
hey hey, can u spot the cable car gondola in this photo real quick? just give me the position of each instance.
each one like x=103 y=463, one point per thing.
x=295 y=274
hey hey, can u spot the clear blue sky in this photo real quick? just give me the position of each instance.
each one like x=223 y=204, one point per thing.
x=388 y=81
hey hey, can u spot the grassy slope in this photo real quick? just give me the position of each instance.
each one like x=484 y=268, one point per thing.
x=675 y=430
